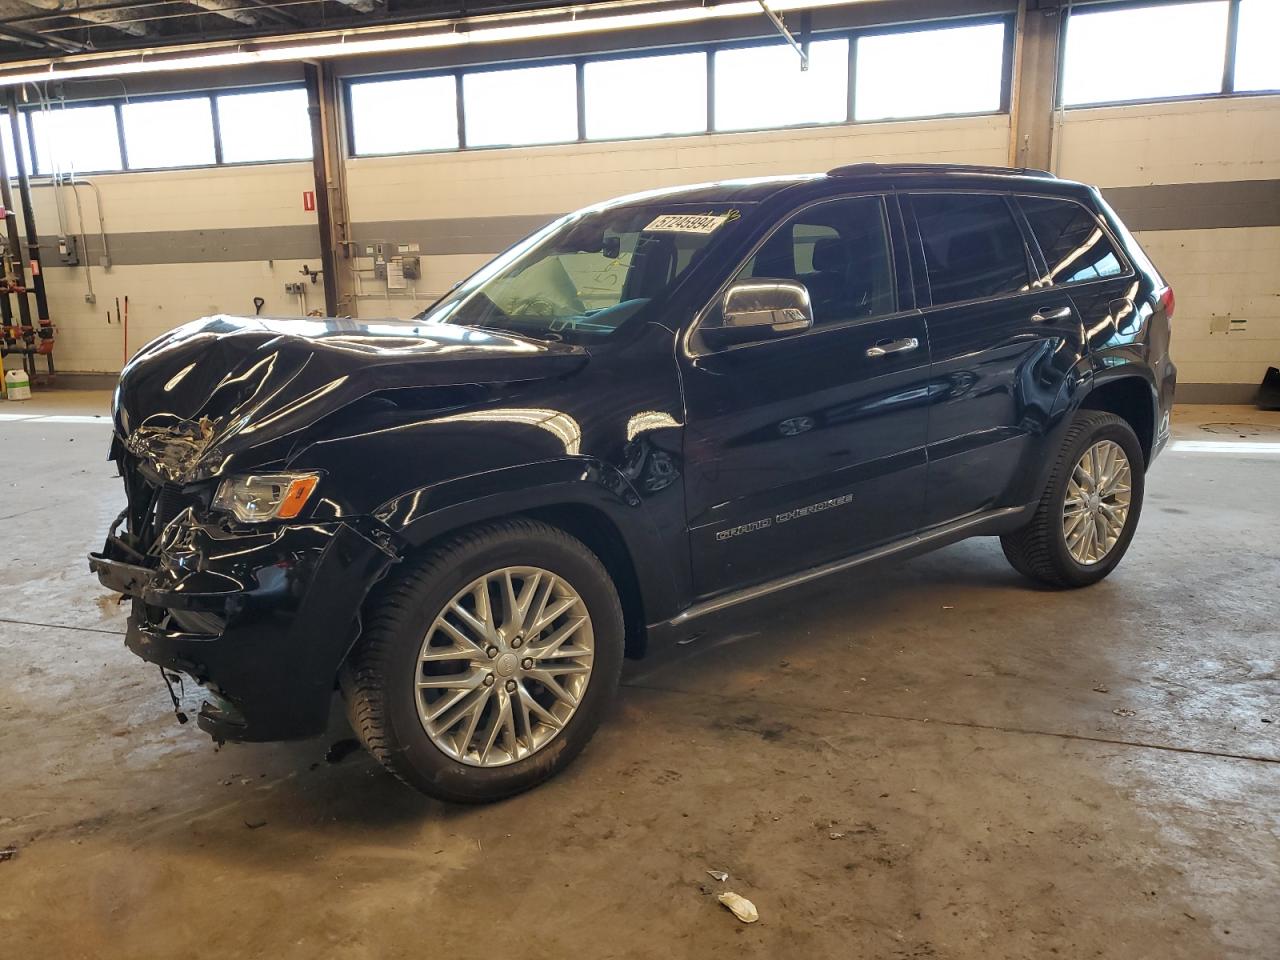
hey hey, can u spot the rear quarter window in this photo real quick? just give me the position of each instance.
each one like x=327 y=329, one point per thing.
x=1075 y=247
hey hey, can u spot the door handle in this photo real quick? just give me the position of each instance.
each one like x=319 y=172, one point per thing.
x=886 y=347
x=1057 y=313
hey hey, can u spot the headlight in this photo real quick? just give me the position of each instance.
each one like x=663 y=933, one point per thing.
x=268 y=496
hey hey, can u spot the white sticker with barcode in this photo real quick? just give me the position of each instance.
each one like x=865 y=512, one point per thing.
x=686 y=223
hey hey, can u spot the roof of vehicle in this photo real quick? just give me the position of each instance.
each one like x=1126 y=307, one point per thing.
x=917 y=174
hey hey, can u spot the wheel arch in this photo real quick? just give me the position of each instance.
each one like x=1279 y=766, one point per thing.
x=590 y=502
x=1132 y=398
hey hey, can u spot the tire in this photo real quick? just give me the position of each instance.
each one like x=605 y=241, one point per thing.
x=390 y=689
x=1039 y=550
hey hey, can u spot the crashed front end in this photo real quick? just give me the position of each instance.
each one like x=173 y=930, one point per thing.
x=260 y=615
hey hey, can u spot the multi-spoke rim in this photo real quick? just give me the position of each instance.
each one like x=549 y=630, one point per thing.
x=504 y=666
x=1097 y=504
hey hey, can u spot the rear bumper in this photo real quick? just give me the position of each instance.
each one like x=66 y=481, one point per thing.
x=263 y=621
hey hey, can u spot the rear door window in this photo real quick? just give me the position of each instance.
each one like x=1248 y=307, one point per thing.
x=1075 y=246
x=972 y=245
x=840 y=251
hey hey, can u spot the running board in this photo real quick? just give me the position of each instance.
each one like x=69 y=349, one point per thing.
x=917 y=543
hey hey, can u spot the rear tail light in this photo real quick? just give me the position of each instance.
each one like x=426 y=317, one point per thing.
x=1165 y=299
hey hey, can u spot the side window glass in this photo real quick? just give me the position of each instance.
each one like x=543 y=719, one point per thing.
x=1073 y=242
x=840 y=251
x=972 y=246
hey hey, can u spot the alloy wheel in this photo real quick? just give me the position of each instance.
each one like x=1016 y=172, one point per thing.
x=1097 y=502
x=504 y=666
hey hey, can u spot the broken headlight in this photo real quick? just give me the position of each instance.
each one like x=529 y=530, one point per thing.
x=267 y=496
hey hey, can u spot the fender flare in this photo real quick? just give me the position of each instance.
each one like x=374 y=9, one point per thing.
x=1071 y=399
x=419 y=516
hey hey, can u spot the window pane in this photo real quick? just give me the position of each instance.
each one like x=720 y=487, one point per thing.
x=169 y=133
x=1071 y=239
x=526 y=105
x=80 y=139
x=972 y=246
x=271 y=125
x=404 y=116
x=6 y=139
x=840 y=251
x=759 y=87
x=1257 y=56
x=646 y=96
x=930 y=72
x=1187 y=43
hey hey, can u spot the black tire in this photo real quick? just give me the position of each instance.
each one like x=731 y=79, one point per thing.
x=379 y=679
x=1039 y=549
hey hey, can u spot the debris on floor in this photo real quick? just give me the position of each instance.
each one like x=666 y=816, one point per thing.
x=741 y=907
x=718 y=875
x=9 y=852
x=1124 y=712
x=341 y=750
x=1101 y=688
x=255 y=824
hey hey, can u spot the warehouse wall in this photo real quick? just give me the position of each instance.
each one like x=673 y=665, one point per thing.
x=183 y=244
x=461 y=208
x=1199 y=183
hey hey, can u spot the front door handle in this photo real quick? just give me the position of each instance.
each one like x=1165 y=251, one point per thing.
x=886 y=347
x=1057 y=313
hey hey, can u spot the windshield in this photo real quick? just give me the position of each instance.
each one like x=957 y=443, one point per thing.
x=582 y=277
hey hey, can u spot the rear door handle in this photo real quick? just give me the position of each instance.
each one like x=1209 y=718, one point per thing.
x=1057 y=313
x=886 y=347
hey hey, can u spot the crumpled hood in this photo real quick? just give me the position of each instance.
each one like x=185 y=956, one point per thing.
x=199 y=398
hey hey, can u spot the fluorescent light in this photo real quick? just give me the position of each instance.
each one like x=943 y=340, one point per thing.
x=354 y=43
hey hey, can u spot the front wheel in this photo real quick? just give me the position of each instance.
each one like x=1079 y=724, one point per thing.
x=486 y=664
x=1087 y=515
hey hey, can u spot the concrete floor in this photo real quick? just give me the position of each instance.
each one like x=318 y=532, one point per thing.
x=927 y=760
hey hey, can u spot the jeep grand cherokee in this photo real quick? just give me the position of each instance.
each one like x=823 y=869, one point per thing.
x=651 y=410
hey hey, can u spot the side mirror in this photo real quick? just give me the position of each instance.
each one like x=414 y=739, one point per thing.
x=760 y=310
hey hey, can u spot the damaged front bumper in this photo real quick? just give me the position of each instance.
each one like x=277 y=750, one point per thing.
x=263 y=620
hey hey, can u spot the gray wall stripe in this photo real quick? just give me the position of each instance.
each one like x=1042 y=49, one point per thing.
x=1198 y=206
x=225 y=245
x=1223 y=393
x=454 y=234
x=1178 y=206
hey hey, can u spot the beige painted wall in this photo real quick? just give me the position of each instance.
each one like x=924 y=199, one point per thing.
x=558 y=179
x=1220 y=275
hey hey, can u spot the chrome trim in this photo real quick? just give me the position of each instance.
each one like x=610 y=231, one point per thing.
x=736 y=597
x=893 y=346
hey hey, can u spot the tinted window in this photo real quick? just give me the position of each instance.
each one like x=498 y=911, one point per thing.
x=263 y=126
x=77 y=139
x=522 y=105
x=1074 y=245
x=763 y=86
x=646 y=96
x=972 y=246
x=840 y=251
x=169 y=133
x=405 y=115
x=922 y=73
x=1099 y=64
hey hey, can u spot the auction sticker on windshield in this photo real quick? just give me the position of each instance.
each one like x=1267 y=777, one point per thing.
x=687 y=223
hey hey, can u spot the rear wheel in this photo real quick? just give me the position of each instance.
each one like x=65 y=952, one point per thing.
x=1087 y=515
x=486 y=664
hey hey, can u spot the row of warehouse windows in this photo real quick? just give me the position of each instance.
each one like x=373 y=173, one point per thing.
x=899 y=74
x=953 y=70
x=186 y=131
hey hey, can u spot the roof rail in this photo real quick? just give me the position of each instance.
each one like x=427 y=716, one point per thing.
x=867 y=169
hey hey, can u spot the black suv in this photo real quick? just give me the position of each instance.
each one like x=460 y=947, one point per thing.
x=649 y=411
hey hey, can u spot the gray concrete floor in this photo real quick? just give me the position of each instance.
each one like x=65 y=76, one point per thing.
x=927 y=760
